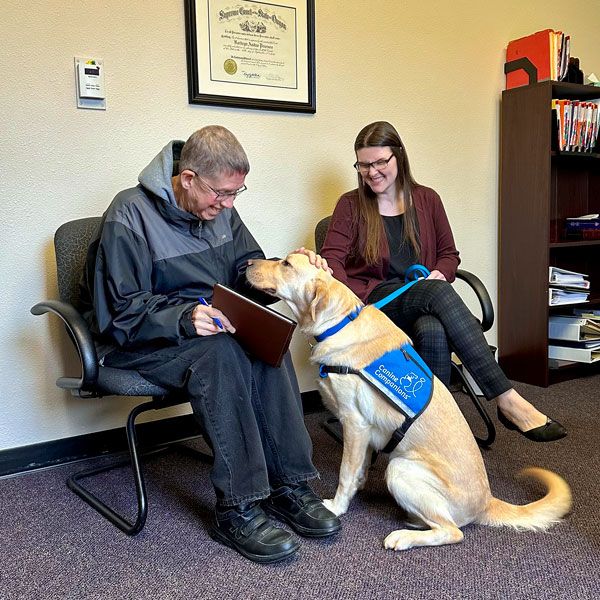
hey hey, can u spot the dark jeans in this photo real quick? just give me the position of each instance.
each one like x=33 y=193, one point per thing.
x=251 y=412
x=438 y=321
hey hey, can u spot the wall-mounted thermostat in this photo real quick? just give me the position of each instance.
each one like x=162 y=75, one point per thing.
x=89 y=76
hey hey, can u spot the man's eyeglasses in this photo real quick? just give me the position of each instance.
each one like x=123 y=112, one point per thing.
x=379 y=165
x=223 y=195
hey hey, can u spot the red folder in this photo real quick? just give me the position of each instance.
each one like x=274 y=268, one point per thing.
x=538 y=48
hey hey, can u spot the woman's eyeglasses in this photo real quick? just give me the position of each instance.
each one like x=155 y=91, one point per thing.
x=378 y=165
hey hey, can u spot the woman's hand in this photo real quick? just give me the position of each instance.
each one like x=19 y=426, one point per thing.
x=203 y=319
x=315 y=259
x=435 y=274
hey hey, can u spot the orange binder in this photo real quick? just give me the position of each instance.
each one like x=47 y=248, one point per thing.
x=540 y=49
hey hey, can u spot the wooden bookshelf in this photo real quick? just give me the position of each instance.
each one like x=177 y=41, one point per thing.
x=539 y=188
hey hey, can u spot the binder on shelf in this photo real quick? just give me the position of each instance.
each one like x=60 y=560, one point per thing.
x=565 y=278
x=559 y=296
x=567 y=287
x=547 y=50
x=573 y=329
x=582 y=355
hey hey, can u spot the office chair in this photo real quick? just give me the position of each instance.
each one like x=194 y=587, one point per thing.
x=332 y=425
x=71 y=242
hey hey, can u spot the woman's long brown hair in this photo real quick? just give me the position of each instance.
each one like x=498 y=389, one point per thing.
x=368 y=220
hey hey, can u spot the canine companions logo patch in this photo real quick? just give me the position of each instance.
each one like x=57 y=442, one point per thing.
x=404 y=378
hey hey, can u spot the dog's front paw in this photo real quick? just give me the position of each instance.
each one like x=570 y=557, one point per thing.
x=401 y=539
x=332 y=506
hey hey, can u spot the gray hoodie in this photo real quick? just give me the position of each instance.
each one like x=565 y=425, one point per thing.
x=151 y=261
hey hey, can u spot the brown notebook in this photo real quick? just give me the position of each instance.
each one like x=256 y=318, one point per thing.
x=261 y=331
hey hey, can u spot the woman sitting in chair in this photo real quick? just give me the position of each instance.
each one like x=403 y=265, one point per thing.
x=389 y=223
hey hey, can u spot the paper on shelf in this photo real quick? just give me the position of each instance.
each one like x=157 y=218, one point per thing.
x=584 y=217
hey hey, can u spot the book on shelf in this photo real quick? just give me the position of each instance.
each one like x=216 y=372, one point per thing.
x=581 y=228
x=548 y=51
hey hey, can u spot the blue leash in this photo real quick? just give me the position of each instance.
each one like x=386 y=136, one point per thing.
x=413 y=275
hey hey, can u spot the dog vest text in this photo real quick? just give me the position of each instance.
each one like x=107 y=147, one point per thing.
x=404 y=379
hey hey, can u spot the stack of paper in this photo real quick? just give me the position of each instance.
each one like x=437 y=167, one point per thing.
x=588 y=313
x=567 y=287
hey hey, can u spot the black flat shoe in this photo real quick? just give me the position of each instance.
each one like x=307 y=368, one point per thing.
x=299 y=507
x=549 y=432
x=247 y=529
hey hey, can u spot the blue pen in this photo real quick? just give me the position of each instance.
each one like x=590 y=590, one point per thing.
x=217 y=321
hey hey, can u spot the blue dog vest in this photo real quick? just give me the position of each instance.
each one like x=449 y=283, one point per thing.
x=400 y=375
x=404 y=379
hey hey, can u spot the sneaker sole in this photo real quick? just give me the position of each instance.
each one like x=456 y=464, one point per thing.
x=299 y=529
x=216 y=535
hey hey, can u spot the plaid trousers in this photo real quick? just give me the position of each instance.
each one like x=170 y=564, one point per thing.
x=438 y=321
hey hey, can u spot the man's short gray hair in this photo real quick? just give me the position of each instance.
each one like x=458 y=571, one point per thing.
x=213 y=151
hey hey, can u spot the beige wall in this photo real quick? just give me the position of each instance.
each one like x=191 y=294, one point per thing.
x=434 y=69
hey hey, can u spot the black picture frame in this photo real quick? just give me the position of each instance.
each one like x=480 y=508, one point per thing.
x=242 y=94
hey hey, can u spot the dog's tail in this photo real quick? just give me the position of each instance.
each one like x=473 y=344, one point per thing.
x=538 y=515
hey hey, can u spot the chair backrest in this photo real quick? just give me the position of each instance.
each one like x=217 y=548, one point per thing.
x=71 y=242
x=321 y=232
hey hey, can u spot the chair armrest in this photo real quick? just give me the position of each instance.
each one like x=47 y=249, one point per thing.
x=485 y=302
x=82 y=338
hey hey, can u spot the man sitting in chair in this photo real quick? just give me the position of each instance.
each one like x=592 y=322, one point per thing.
x=146 y=293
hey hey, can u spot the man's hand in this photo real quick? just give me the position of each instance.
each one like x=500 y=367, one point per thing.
x=315 y=259
x=203 y=319
x=435 y=274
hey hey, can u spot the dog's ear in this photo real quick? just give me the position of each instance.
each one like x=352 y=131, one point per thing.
x=320 y=292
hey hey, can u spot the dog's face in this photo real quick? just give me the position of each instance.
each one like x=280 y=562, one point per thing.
x=312 y=294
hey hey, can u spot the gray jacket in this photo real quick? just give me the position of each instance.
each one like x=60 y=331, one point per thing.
x=151 y=261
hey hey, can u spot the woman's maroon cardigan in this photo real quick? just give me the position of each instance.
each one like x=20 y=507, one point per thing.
x=349 y=266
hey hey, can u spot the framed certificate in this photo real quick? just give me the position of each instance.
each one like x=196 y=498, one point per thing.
x=251 y=53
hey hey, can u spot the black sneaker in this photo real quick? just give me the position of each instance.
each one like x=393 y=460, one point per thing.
x=247 y=529
x=299 y=507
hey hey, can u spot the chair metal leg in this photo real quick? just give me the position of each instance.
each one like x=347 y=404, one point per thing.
x=130 y=528
x=487 y=441
x=333 y=427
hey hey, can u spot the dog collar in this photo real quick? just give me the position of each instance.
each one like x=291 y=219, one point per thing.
x=340 y=325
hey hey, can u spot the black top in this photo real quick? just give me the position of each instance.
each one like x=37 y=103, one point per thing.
x=402 y=253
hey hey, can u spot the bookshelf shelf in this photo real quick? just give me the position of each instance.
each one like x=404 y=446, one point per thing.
x=574 y=244
x=539 y=189
x=581 y=155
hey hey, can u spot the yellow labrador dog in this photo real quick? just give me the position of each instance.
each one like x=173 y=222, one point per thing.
x=436 y=473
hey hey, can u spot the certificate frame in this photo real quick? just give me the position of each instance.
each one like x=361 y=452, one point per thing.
x=268 y=49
